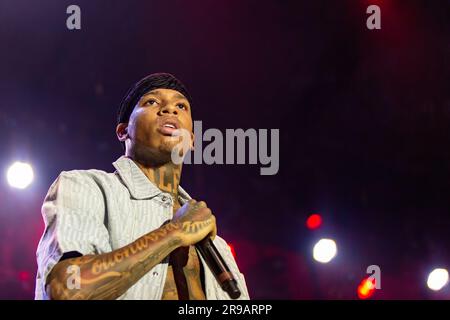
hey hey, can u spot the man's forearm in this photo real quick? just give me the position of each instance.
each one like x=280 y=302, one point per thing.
x=109 y=275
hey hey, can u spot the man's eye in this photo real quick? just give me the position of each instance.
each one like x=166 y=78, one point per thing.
x=181 y=106
x=150 y=102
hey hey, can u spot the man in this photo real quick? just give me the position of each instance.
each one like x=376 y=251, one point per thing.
x=125 y=235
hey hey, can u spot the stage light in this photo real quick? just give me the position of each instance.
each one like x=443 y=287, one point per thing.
x=314 y=221
x=437 y=279
x=20 y=175
x=366 y=288
x=324 y=250
x=233 y=252
x=24 y=276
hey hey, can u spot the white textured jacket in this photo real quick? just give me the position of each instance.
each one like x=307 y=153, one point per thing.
x=94 y=212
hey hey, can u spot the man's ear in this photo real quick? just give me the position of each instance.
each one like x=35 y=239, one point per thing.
x=122 y=131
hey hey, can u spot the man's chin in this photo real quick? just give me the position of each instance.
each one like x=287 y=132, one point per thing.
x=168 y=144
x=160 y=155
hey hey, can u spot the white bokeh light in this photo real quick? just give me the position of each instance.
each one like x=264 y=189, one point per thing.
x=324 y=250
x=437 y=279
x=20 y=175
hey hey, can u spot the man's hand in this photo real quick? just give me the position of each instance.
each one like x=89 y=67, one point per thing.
x=196 y=222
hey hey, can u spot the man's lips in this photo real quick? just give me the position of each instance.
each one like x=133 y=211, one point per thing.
x=168 y=125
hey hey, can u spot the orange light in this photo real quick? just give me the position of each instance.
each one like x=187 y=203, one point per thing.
x=366 y=288
x=233 y=252
x=314 y=221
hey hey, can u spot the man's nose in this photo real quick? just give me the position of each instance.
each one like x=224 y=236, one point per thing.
x=168 y=108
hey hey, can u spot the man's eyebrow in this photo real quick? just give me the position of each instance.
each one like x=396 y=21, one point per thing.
x=158 y=93
x=180 y=96
x=154 y=92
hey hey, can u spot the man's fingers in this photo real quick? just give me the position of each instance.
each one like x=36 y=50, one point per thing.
x=214 y=231
x=196 y=205
x=201 y=204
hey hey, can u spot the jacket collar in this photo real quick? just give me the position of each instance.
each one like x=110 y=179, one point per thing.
x=138 y=184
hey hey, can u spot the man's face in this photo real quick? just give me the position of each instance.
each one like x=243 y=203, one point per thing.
x=155 y=117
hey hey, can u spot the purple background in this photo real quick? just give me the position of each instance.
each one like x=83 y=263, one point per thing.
x=363 y=118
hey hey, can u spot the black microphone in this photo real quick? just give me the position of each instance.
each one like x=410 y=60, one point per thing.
x=218 y=267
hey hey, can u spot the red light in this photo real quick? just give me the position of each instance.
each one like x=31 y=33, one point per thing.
x=366 y=288
x=233 y=252
x=314 y=221
x=24 y=276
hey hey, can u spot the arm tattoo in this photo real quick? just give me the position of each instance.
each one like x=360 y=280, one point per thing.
x=195 y=226
x=109 y=275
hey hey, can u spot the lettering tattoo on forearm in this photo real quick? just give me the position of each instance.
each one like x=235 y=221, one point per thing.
x=195 y=226
x=141 y=244
x=108 y=276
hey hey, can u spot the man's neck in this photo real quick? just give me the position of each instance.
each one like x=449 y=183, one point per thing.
x=166 y=176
